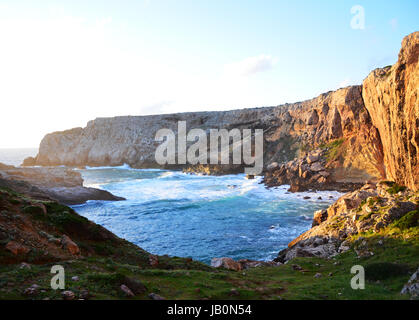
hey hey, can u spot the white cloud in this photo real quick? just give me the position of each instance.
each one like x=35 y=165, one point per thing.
x=251 y=65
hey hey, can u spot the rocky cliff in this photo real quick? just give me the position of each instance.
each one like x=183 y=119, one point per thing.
x=391 y=98
x=289 y=130
x=369 y=131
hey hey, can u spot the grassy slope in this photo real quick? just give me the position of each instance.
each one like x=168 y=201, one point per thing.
x=179 y=278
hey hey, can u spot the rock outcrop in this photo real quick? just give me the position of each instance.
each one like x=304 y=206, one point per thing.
x=59 y=233
x=373 y=208
x=309 y=171
x=412 y=286
x=391 y=98
x=242 y=264
x=59 y=184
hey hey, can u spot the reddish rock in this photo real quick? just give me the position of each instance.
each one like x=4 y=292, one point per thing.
x=69 y=245
x=226 y=263
x=321 y=180
x=17 y=248
x=391 y=97
x=153 y=260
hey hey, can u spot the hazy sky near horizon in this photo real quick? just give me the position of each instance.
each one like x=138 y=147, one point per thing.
x=63 y=63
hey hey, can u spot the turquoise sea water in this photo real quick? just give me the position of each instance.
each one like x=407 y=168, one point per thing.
x=202 y=217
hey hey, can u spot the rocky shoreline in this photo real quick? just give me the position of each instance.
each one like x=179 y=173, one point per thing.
x=309 y=172
x=51 y=183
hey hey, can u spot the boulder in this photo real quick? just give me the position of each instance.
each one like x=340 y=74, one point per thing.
x=29 y=162
x=272 y=166
x=321 y=180
x=412 y=286
x=318 y=246
x=344 y=246
x=319 y=217
x=311 y=158
x=136 y=286
x=155 y=296
x=316 y=167
x=68 y=295
x=324 y=174
x=33 y=290
x=127 y=291
x=400 y=210
x=69 y=245
x=226 y=263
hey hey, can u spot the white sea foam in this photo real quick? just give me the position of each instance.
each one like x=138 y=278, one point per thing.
x=207 y=215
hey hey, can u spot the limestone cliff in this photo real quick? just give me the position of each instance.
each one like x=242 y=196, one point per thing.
x=288 y=130
x=391 y=98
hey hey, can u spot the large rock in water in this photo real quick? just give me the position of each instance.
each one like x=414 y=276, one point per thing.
x=60 y=184
x=391 y=97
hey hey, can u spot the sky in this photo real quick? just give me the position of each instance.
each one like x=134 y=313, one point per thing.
x=63 y=63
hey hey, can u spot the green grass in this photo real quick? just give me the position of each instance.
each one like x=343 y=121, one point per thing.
x=386 y=273
x=396 y=189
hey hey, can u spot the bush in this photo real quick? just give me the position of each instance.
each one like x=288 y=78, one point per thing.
x=385 y=270
x=396 y=189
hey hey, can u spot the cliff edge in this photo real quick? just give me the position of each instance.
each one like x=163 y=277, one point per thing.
x=391 y=98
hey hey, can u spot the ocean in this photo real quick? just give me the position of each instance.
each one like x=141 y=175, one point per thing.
x=16 y=156
x=202 y=217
